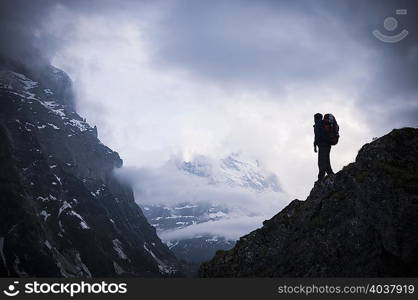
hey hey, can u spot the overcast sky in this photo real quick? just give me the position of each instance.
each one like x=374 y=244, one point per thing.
x=213 y=77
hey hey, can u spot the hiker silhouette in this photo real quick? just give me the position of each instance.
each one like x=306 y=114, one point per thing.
x=326 y=134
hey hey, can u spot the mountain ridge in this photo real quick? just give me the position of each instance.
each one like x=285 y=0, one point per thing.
x=232 y=170
x=64 y=214
x=362 y=222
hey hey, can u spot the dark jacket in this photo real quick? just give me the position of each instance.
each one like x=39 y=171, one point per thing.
x=321 y=138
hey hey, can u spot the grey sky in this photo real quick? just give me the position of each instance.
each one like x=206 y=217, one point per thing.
x=213 y=77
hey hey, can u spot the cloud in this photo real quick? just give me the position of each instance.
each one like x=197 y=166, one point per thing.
x=270 y=45
x=229 y=228
x=256 y=45
x=168 y=185
x=215 y=77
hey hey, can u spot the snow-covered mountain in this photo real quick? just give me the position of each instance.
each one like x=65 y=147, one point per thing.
x=230 y=173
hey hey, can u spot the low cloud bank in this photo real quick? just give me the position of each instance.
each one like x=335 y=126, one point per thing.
x=168 y=185
x=231 y=228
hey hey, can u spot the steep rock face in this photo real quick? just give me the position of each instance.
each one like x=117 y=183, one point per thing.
x=62 y=211
x=361 y=222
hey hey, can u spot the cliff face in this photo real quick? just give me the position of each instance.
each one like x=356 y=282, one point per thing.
x=62 y=211
x=361 y=222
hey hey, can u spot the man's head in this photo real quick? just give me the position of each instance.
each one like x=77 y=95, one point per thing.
x=317 y=117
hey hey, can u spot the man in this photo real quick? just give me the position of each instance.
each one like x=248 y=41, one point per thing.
x=322 y=141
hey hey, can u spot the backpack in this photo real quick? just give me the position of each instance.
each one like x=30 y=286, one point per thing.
x=331 y=128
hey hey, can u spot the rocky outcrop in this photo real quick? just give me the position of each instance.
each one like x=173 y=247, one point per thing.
x=62 y=211
x=362 y=222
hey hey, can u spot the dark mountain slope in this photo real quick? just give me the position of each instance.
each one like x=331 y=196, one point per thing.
x=361 y=222
x=62 y=211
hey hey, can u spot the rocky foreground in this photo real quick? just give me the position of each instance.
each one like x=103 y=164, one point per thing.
x=361 y=222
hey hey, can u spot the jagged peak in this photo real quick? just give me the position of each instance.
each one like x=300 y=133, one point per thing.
x=45 y=77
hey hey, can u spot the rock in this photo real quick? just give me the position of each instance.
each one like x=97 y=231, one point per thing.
x=63 y=213
x=361 y=222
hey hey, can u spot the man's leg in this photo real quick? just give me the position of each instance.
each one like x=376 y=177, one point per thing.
x=328 y=168
x=322 y=164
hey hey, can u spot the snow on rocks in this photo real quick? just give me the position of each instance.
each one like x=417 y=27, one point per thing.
x=162 y=266
x=81 y=125
x=58 y=179
x=20 y=85
x=117 y=246
x=54 y=126
x=44 y=214
x=65 y=205
x=13 y=80
x=46 y=199
x=48 y=244
x=83 y=223
x=68 y=209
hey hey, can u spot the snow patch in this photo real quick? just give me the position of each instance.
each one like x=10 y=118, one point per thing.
x=118 y=269
x=45 y=214
x=163 y=267
x=53 y=126
x=64 y=206
x=98 y=191
x=27 y=83
x=212 y=239
x=217 y=215
x=48 y=244
x=61 y=227
x=46 y=199
x=186 y=206
x=59 y=179
x=83 y=224
x=52 y=107
x=171 y=245
x=117 y=246
x=82 y=126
